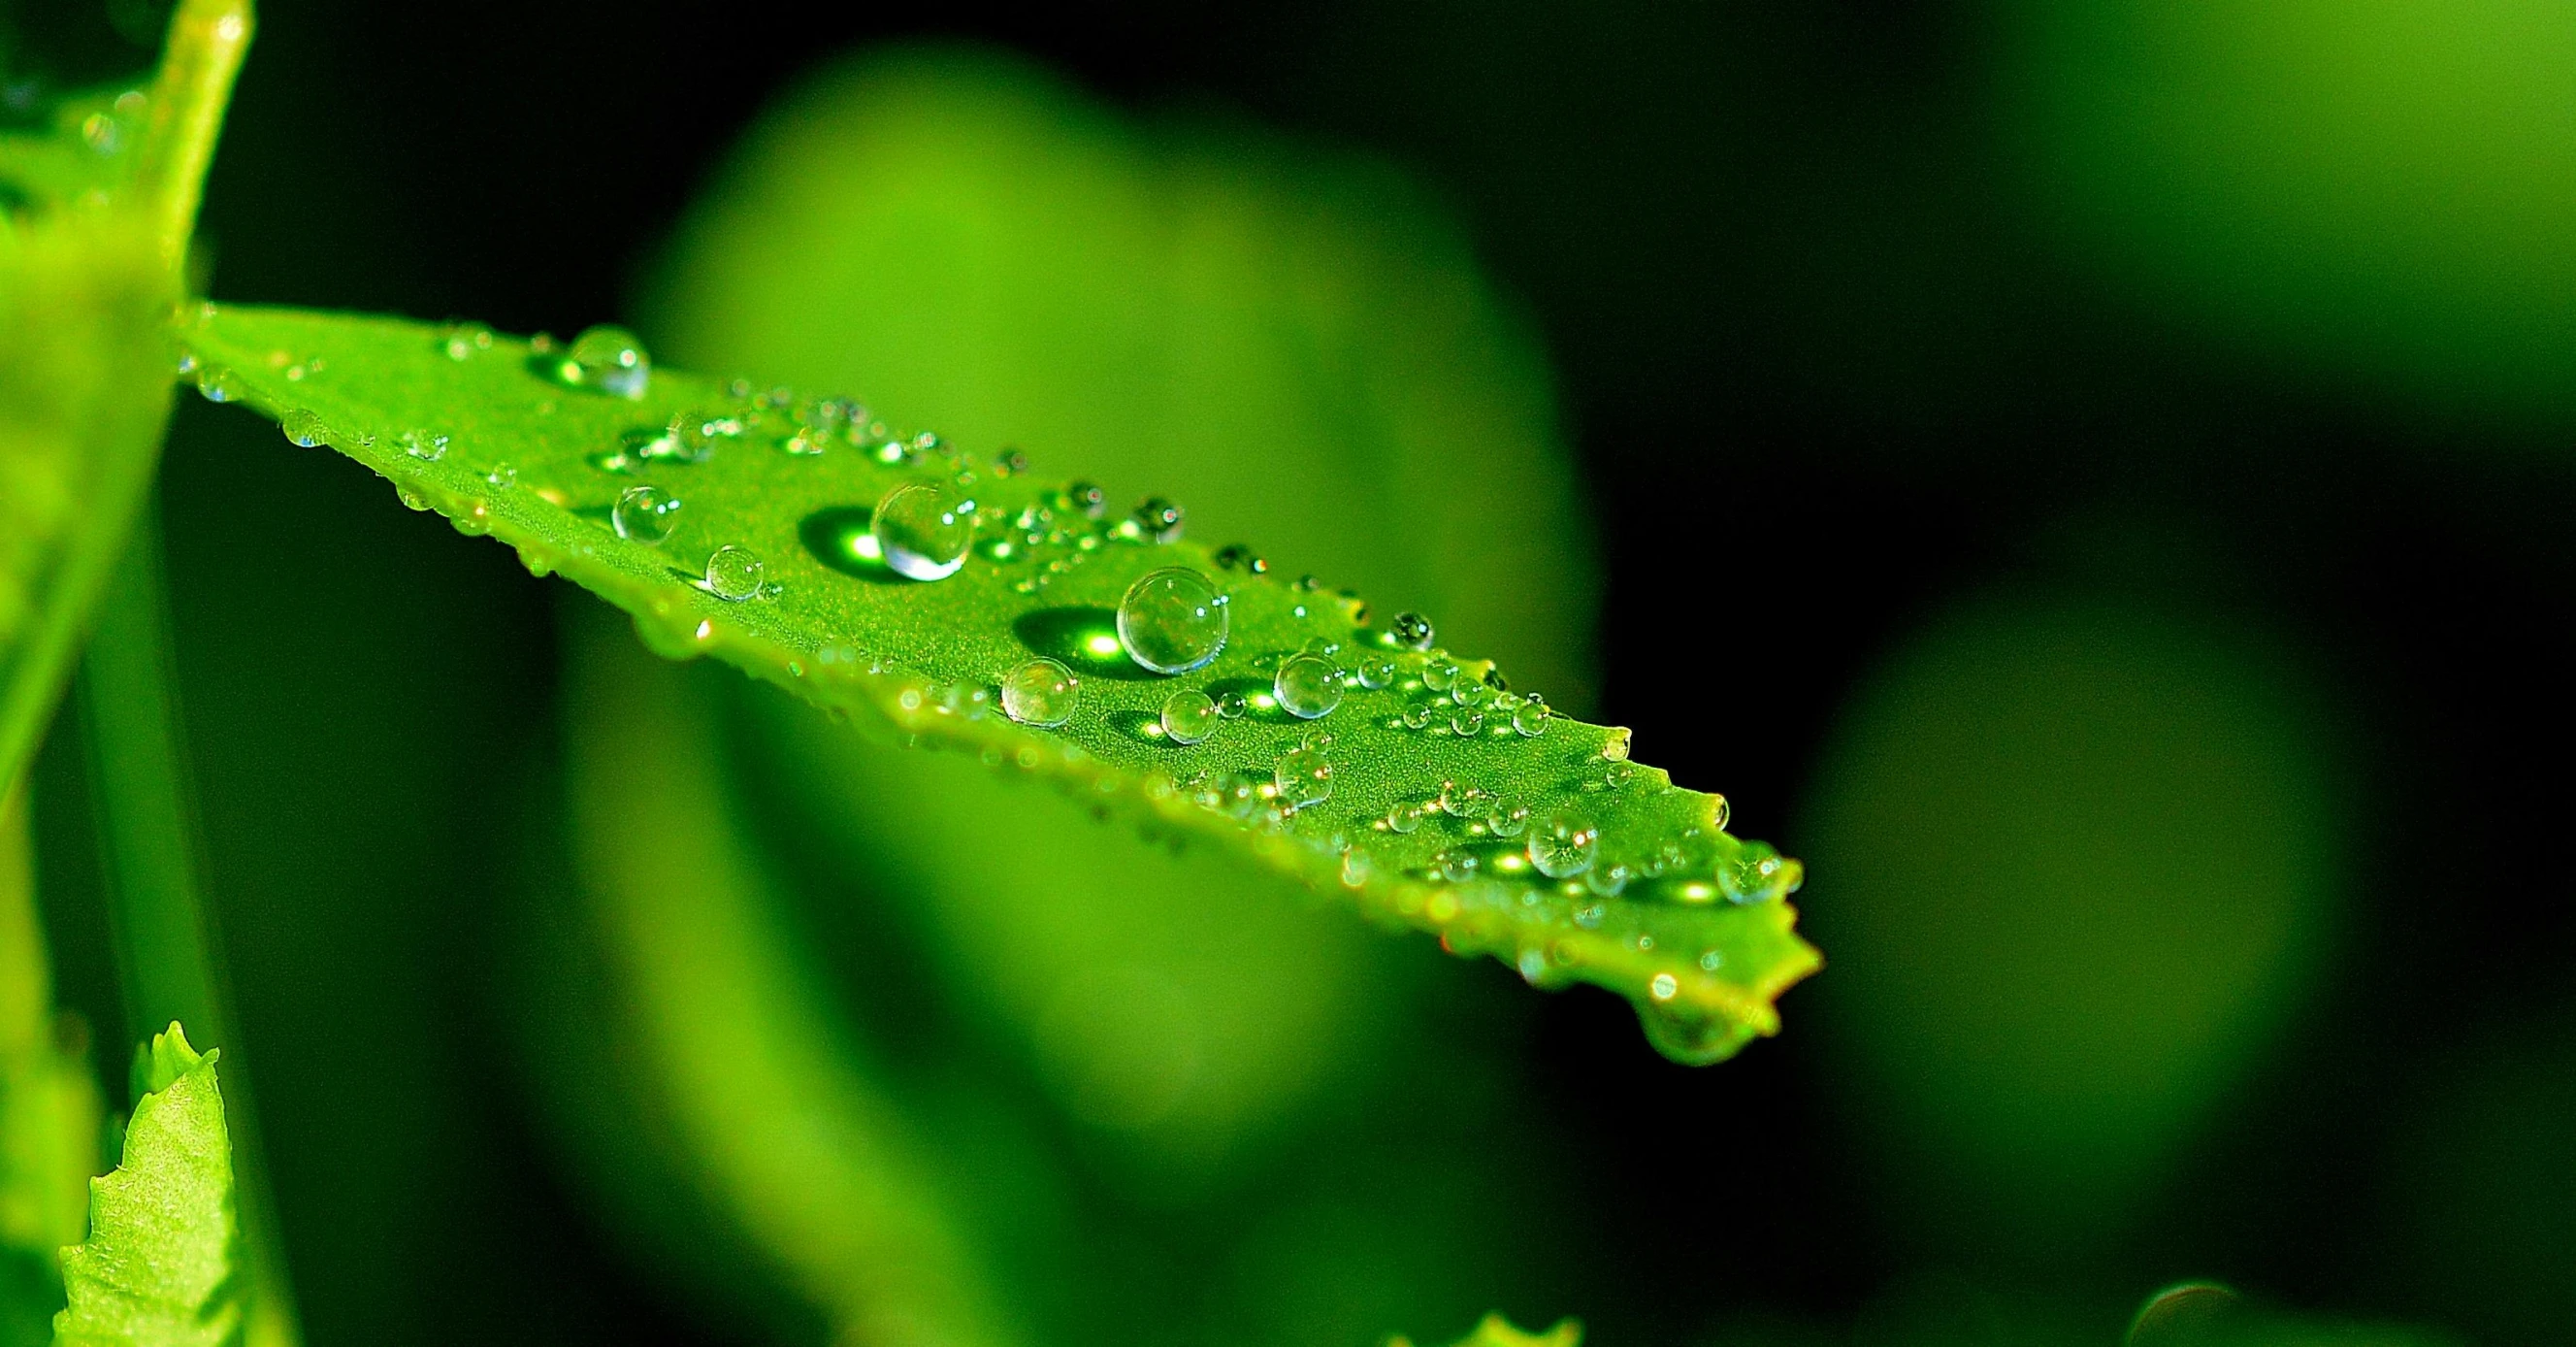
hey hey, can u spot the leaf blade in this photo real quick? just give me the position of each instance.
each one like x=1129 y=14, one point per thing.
x=922 y=659
x=157 y=1268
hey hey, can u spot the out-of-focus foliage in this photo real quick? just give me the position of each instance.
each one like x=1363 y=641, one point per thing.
x=1496 y=1331
x=2085 y=861
x=49 y=1106
x=158 y=1267
x=2384 y=187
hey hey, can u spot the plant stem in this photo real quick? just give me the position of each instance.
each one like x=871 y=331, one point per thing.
x=208 y=39
x=166 y=949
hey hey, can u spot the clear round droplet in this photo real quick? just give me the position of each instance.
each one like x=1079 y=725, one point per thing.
x=1303 y=777
x=1757 y=873
x=217 y=384
x=1172 y=620
x=1529 y=719
x=734 y=573
x=1608 y=881
x=303 y=428
x=1411 y=631
x=1233 y=705
x=1307 y=686
x=691 y=437
x=1375 y=671
x=1664 y=987
x=1417 y=716
x=1465 y=690
x=1563 y=845
x=1040 y=692
x=923 y=530
x=501 y=476
x=1404 y=818
x=1190 y=716
x=1466 y=722
x=609 y=359
x=1457 y=865
x=645 y=514
x=426 y=445
x=1439 y=675
x=1506 y=819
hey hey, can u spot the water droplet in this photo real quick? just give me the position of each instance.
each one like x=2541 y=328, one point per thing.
x=1375 y=671
x=1529 y=719
x=1710 y=961
x=1189 y=716
x=1159 y=518
x=464 y=341
x=1665 y=987
x=1466 y=722
x=609 y=359
x=1464 y=690
x=1439 y=675
x=1618 y=774
x=1562 y=845
x=1237 y=557
x=1172 y=620
x=1318 y=739
x=1718 y=810
x=1303 y=777
x=1411 y=631
x=1459 y=801
x=1506 y=819
x=645 y=514
x=1040 y=692
x=217 y=384
x=1417 y=716
x=1589 y=915
x=923 y=530
x=1616 y=750
x=690 y=437
x=502 y=476
x=102 y=133
x=1757 y=873
x=1357 y=868
x=1087 y=498
x=734 y=573
x=1404 y=818
x=1307 y=686
x=426 y=445
x=1457 y=865
x=411 y=499
x=1608 y=881
x=304 y=428
x=1232 y=705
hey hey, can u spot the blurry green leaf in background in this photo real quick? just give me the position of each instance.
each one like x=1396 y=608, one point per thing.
x=2086 y=862
x=2384 y=188
x=1175 y=1099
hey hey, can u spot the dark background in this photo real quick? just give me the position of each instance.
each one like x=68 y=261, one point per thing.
x=1819 y=372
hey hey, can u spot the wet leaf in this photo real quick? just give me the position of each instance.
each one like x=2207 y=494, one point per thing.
x=743 y=525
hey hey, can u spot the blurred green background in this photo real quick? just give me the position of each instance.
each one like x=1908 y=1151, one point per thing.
x=2091 y=478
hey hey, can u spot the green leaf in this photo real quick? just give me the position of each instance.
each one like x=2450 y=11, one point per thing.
x=1496 y=1331
x=495 y=434
x=49 y=1107
x=157 y=1269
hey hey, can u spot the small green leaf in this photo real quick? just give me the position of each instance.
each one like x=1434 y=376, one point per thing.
x=157 y=1269
x=502 y=437
x=1497 y=1331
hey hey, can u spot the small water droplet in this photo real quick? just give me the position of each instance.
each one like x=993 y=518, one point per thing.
x=1237 y=557
x=1404 y=818
x=1233 y=705
x=464 y=341
x=304 y=428
x=1618 y=774
x=1757 y=873
x=1172 y=620
x=645 y=514
x=609 y=359
x=1457 y=865
x=1466 y=722
x=1085 y=498
x=217 y=384
x=426 y=445
x=1562 y=845
x=411 y=499
x=1307 y=686
x=1609 y=881
x=1318 y=739
x=1665 y=987
x=1616 y=750
x=1357 y=868
x=1375 y=671
x=102 y=133
x=1189 y=716
x=1410 y=630
x=1711 y=960
x=1159 y=519
x=923 y=530
x=1439 y=675
x=691 y=437
x=735 y=573
x=1529 y=719
x=1040 y=692
x=1459 y=801
x=501 y=476
x=1589 y=915
x=1464 y=690
x=1418 y=716
x=1303 y=777
x=1718 y=810
x=1506 y=819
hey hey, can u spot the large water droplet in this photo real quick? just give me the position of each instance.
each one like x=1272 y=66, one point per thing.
x=1303 y=777
x=303 y=428
x=734 y=573
x=609 y=359
x=1410 y=630
x=645 y=514
x=1562 y=845
x=1189 y=716
x=1307 y=686
x=923 y=530
x=1172 y=620
x=1040 y=692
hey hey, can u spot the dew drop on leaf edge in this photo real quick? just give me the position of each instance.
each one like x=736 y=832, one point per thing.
x=735 y=573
